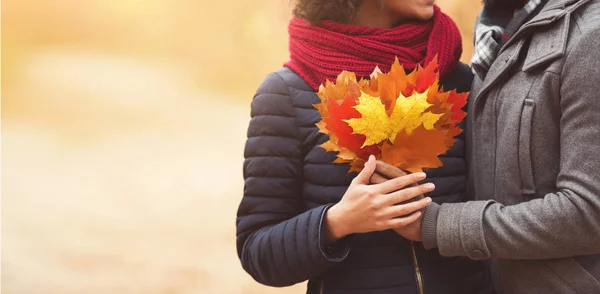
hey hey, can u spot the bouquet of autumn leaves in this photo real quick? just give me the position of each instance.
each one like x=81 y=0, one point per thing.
x=405 y=120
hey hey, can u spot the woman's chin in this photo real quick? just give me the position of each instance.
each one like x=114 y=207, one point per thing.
x=426 y=13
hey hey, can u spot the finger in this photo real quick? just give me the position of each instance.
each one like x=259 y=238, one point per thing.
x=401 y=222
x=376 y=178
x=363 y=177
x=405 y=209
x=388 y=170
x=408 y=193
x=399 y=183
x=417 y=198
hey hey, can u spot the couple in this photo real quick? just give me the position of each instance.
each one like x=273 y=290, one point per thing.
x=515 y=207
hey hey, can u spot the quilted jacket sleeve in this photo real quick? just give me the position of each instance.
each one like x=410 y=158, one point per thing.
x=278 y=243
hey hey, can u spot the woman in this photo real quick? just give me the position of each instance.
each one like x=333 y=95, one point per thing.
x=303 y=217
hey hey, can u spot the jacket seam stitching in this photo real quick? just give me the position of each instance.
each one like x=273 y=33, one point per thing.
x=566 y=59
x=291 y=104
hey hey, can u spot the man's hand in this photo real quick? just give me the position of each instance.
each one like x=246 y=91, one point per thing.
x=385 y=172
x=412 y=231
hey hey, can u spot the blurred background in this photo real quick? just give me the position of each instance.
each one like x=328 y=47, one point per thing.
x=123 y=125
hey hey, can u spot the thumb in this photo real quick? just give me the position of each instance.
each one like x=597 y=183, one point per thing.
x=363 y=177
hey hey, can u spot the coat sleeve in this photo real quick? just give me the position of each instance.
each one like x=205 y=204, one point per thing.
x=562 y=224
x=279 y=244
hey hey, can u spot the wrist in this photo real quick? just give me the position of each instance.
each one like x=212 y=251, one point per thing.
x=334 y=224
x=429 y=226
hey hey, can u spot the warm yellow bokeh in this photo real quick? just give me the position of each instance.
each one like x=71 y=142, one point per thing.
x=123 y=124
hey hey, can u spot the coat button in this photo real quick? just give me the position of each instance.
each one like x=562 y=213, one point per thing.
x=478 y=254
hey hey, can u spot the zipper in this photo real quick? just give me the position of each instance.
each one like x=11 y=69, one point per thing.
x=321 y=286
x=417 y=270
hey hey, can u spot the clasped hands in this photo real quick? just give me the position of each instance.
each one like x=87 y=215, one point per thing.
x=381 y=197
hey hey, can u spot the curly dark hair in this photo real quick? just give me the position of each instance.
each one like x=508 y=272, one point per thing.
x=315 y=11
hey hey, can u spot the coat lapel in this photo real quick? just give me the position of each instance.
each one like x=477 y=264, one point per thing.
x=504 y=62
x=510 y=53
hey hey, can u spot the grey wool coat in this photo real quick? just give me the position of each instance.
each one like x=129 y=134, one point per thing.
x=533 y=141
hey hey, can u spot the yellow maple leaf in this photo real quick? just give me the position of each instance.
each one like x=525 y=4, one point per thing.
x=375 y=123
x=410 y=112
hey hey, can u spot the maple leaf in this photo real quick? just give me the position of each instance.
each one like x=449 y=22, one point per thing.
x=376 y=72
x=410 y=112
x=417 y=151
x=336 y=124
x=458 y=102
x=322 y=126
x=344 y=86
x=357 y=165
x=373 y=122
x=331 y=146
x=346 y=154
x=390 y=85
x=369 y=87
x=427 y=77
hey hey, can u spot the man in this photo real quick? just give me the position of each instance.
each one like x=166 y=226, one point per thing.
x=533 y=139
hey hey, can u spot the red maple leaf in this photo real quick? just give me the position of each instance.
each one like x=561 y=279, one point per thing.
x=344 y=133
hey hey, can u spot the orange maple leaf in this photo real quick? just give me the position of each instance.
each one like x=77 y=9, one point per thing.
x=390 y=85
x=427 y=77
x=417 y=151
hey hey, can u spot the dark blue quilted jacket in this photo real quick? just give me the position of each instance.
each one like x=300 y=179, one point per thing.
x=290 y=182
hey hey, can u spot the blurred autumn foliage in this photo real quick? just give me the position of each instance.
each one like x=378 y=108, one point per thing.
x=123 y=125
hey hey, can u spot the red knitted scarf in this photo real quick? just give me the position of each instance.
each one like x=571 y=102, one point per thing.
x=321 y=52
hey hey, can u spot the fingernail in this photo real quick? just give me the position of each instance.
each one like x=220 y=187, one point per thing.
x=429 y=186
x=428 y=200
x=421 y=175
x=418 y=214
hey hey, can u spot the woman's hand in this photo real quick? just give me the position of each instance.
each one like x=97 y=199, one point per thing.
x=367 y=208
